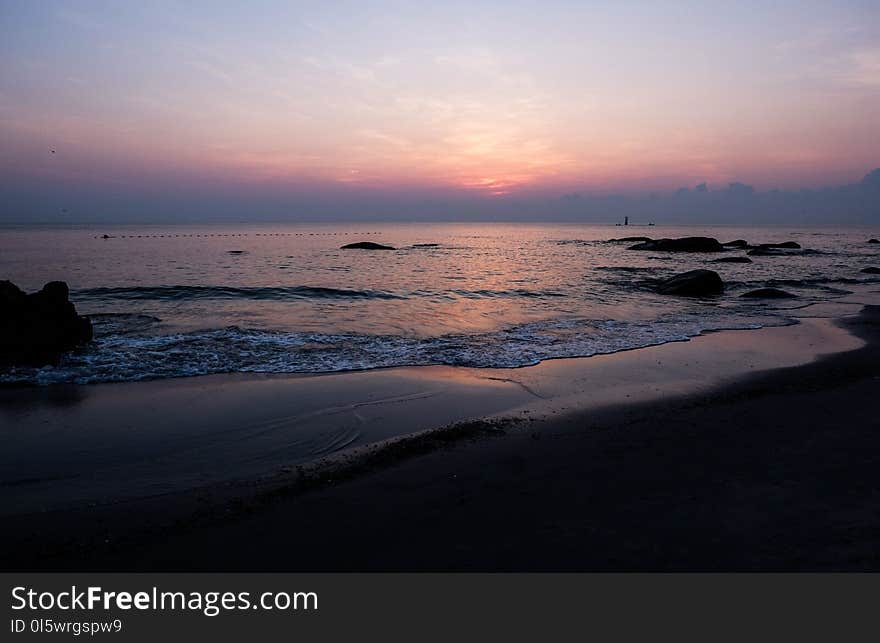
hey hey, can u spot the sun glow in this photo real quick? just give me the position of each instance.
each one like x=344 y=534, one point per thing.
x=398 y=102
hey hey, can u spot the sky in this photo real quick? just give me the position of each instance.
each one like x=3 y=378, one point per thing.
x=123 y=111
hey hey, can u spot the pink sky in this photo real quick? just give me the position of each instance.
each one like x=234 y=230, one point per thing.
x=494 y=99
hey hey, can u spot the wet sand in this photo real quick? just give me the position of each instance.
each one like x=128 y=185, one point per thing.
x=672 y=457
x=79 y=446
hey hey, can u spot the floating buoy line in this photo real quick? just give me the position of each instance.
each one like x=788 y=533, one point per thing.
x=231 y=234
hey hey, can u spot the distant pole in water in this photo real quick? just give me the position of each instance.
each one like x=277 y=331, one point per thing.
x=625 y=220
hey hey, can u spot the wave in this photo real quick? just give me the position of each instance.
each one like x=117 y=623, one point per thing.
x=122 y=323
x=281 y=293
x=228 y=292
x=516 y=292
x=627 y=269
x=822 y=284
x=125 y=357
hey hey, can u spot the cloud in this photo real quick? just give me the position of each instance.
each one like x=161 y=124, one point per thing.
x=865 y=68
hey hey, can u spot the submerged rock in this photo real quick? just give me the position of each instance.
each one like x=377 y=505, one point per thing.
x=871 y=271
x=426 y=245
x=694 y=283
x=36 y=329
x=684 y=244
x=738 y=243
x=630 y=239
x=365 y=245
x=768 y=293
x=738 y=259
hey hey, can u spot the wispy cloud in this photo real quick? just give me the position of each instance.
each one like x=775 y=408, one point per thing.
x=865 y=67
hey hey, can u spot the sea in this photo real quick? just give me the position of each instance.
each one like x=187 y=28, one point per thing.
x=187 y=300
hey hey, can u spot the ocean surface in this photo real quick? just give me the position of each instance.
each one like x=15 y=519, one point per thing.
x=177 y=301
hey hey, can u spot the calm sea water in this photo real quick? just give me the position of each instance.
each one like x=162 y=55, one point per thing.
x=179 y=301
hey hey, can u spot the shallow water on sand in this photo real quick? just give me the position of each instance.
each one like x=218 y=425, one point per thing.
x=190 y=300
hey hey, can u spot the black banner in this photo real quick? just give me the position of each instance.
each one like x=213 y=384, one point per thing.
x=414 y=607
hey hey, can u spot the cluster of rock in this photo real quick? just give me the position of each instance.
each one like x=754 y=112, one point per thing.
x=37 y=328
x=708 y=244
x=707 y=283
x=684 y=244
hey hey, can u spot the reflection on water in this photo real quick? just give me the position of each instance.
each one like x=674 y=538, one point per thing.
x=189 y=300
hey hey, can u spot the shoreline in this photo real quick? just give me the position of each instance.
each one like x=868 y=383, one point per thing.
x=73 y=443
x=103 y=536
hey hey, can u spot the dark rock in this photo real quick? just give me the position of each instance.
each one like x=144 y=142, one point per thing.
x=871 y=271
x=236 y=252
x=739 y=259
x=365 y=245
x=630 y=239
x=873 y=240
x=768 y=293
x=36 y=329
x=426 y=245
x=739 y=243
x=694 y=283
x=685 y=244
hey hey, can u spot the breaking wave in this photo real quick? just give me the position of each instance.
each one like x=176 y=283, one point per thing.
x=120 y=357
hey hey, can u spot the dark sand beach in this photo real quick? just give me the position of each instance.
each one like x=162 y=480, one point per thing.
x=755 y=468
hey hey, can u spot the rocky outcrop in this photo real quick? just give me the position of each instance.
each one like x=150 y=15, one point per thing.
x=739 y=259
x=873 y=240
x=738 y=243
x=768 y=293
x=694 y=283
x=365 y=245
x=684 y=244
x=871 y=271
x=38 y=328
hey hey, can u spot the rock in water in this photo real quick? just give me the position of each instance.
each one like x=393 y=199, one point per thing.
x=365 y=245
x=630 y=239
x=871 y=271
x=768 y=293
x=694 y=283
x=873 y=240
x=36 y=329
x=738 y=243
x=684 y=244
x=732 y=260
